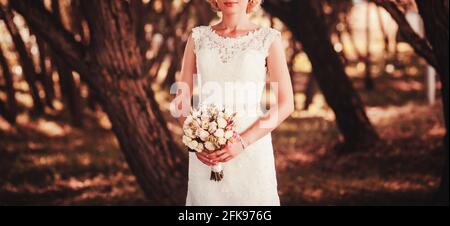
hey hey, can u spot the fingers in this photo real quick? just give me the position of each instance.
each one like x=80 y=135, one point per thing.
x=211 y=159
x=208 y=156
x=218 y=158
x=204 y=154
x=223 y=157
x=204 y=160
x=216 y=154
x=222 y=153
x=228 y=159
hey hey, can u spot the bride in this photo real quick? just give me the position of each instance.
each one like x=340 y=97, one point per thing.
x=232 y=61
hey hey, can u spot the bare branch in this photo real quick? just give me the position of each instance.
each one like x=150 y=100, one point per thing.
x=419 y=44
x=52 y=31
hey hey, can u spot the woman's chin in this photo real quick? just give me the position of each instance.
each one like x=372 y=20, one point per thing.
x=230 y=11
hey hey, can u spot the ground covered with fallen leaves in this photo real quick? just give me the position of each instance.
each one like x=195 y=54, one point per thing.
x=47 y=161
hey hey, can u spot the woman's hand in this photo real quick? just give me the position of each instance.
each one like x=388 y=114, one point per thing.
x=204 y=158
x=228 y=153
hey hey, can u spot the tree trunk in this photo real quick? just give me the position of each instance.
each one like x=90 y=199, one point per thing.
x=10 y=109
x=112 y=67
x=4 y=111
x=70 y=92
x=309 y=27
x=44 y=76
x=351 y=34
x=386 y=41
x=145 y=141
x=172 y=71
x=435 y=16
x=127 y=98
x=25 y=59
x=310 y=92
x=368 y=81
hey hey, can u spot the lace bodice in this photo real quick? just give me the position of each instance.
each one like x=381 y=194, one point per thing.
x=232 y=71
x=229 y=47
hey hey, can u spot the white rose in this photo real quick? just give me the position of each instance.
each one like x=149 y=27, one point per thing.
x=212 y=127
x=204 y=117
x=190 y=133
x=210 y=146
x=222 y=141
x=186 y=140
x=219 y=133
x=229 y=134
x=195 y=113
x=205 y=124
x=203 y=135
x=194 y=123
x=200 y=148
x=193 y=145
x=221 y=122
x=188 y=120
x=220 y=114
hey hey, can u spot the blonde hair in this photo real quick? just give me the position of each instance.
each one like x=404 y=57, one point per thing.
x=253 y=5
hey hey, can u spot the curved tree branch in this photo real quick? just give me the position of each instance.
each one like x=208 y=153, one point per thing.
x=420 y=45
x=42 y=22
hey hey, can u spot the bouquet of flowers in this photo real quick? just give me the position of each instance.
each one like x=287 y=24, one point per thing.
x=209 y=129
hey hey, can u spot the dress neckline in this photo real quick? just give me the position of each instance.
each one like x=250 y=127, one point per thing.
x=241 y=37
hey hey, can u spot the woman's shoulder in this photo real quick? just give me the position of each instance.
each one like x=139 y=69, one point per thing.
x=199 y=29
x=198 y=32
x=268 y=37
x=271 y=31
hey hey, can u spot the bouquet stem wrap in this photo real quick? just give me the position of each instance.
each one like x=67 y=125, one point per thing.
x=217 y=172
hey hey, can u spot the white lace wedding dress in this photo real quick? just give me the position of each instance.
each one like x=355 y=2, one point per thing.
x=250 y=178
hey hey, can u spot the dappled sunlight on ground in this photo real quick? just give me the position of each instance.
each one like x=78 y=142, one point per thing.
x=81 y=167
x=405 y=168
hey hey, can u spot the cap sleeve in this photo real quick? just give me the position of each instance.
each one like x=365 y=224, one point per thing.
x=270 y=36
x=197 y=34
